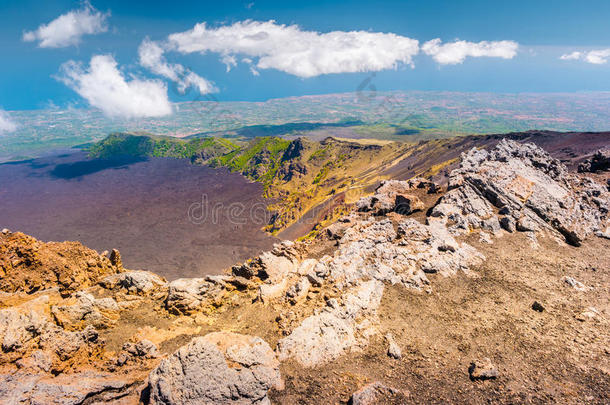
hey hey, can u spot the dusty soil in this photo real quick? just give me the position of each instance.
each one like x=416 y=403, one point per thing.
x=548 y=357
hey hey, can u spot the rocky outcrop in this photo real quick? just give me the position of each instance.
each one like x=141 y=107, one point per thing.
x=135 y=282
x=335 y=329
x=395 y=196
x=30 y=339
x=65 y=389
x=86 y=310
x=29 y=265
x=136 y=351
x=219 y=368
x=600 y=161
x=189 y=295
x=520 y=187
x=270 y=266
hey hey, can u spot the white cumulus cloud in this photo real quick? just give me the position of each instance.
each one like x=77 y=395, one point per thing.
x=6 y=123
x=571 y=56
x=596 y=57
x=151 y=56
x=290 y=49
x=67 y=29
x=105 y=87
x=452 y=53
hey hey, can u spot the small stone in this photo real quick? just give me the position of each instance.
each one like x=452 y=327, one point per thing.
x=508 y=223
x=577 y=285
x=378 y=393
x=588 y=314
x=484 y=237
x=536 y=306
x=115 y=258
x=482 y=370
x=526 y=224
x=393 y=348
x=6 y=231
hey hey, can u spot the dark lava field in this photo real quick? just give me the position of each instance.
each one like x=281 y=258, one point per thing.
x=164 y=215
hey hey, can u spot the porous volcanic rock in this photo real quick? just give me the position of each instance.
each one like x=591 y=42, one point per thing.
x=86 y=310
x=219 y=368
x=28 y=335
x=338 y=327
x=65 y=389
x=136 y=282
x=520 y=186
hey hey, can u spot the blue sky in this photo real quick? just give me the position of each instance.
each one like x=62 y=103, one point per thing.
x=32 y=76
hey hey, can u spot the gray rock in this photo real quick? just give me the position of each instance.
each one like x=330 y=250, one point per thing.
x=299 y=291
x=87 y=310
x=482 y=370
x=65 y=389
x=143 y=349
x=270 y=266
x=134 y=282
x=393 y=196
x=336 y=230
x=393 y=348
x=270 y=291
x=575 y=284
x=600 y=161
x=219 y=368
x=526 y=224
x=378 y=393
x=523 y=180
x=186 y=295
x=325 y=336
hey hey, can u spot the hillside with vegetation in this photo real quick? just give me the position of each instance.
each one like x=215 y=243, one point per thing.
x=297 y=175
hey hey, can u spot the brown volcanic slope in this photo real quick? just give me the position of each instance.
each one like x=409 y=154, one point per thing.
x=569 y=147
x=137 y=206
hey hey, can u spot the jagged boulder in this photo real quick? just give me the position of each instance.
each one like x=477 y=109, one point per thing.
x=600 y=161
x=374 y=249
x=189 y=295
x=219 y=368
x=186 y=295
x=392 y=196
x=86 y=310
x=28 y=336
x=271 y=266
x=136 y=282
x=21 y=325
x=521 y=187
x=135 y=351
